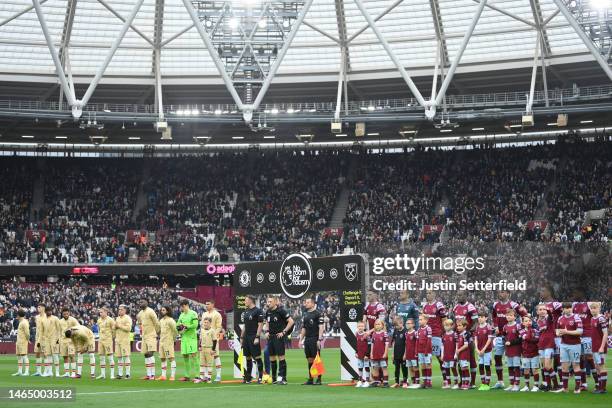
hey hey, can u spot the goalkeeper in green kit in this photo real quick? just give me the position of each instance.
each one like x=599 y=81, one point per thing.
x=187 y=326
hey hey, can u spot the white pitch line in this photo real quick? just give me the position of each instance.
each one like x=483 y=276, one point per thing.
x=78 y=394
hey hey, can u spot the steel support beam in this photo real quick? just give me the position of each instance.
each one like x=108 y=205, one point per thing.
x=213 y=54
x=120 y=17
x=342 y=34
x=70 y=97
x=413 y=88
x=507 y=13
x=109 y=56
x=157 y=39
x=177 y=35
x=439 y=28
x=466 y=39
x=553 y=15
x=378 y=17
x=279 y=58
x=340 y=88
x=534 y=73
x=536 y=10
x=585 y=39
x=321 y=31
x=19 y=14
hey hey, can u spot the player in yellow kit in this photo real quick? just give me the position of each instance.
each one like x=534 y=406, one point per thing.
x=51 y=343
x=167 y=337
x=38 y=343
x=147 y=319
x=216 y=323
x=106 y=325
x=21 y=347
x=123 y=339
x=84 y=342
x=66 y=347
x=208 y=350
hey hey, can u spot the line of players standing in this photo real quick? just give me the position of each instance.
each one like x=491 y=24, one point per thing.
x=562 y=337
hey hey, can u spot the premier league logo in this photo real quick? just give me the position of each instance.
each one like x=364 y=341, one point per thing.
x=295 y=275
x=350 y=271
x=245 y=279
x=260 y=277
x=352 y=314
x=272 y=277
x=320 y=274
x=333 y=273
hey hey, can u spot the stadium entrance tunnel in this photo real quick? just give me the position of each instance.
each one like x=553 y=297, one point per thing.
x=296 y=277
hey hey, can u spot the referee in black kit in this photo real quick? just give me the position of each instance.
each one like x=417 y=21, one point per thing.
x=279 y=324
x=249 y=339
x=312 y=335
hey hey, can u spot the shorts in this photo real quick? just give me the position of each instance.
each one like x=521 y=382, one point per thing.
x=67 y=349
x=513 y=361
x=530 y=362
x=498 y=346
x=189 y=346
x=546 y=353
x=310 y=347
x=570 y=353
x=123 y=349
x=87 y=348
x=47 y=348
x=424 y=358
x=249 y=348
x=436 y=346
x=148 y=345
x=276 y=346
x=382 y=363
x=599 y=358
x=463 y=363
x=412 y=363
x=206 y=357
x=485 y=359
x=38 y=347
x=105 y=347
x=55 y=347
x=363 y=363
x=166 y=350
x=21 y=348
x=587 y=346
x=448 y=364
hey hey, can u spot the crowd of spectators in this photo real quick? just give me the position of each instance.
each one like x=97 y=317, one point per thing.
x=277 y=203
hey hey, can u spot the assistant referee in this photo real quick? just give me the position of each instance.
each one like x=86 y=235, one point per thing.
x=311 y=335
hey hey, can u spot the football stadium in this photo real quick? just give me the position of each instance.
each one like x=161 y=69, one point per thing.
x=305 y=203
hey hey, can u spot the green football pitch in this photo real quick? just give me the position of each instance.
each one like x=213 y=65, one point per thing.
x=136 y=393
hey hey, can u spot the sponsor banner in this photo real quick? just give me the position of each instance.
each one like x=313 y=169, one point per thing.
x=139 y=236
x=33 y=235
x=235 y=233
x=333 y=232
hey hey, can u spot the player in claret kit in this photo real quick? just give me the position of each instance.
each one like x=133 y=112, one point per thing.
x=464 y=310
x=569 y=328
x=512 y=343
x=436 y=313
x=378 y=355
x=500 y=307
x=546 y=347
x=449 y=343
x=462 y=353
x=373 y=311
x=424 y=350
x=555 y=310
x=398 y=341
x=581 y=308
x=484 y=344
x=363 y=355
x=530 y=337
x=411 y=356
x=599 y=335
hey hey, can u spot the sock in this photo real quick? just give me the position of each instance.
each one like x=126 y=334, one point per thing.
x=578 y=377
x=582 y=371
x=186 y=366
x=260 y=369
x=481 y=371
x=488 y=374
x=472 y=375
x=397 y=372
x=404 y=373
x=152 y=366
x=511 y=375
x=56 y=364
x=499 y=368
x=66 y=367
x=283 y=369
x=248 y=374
x=218 y=366
x=163 y=368
x=92 y=364
x=445 y=375
x=517 y=376
x=565 y=379
x=546 y=374
x=603 y=379
x=367 y=374
x=465 y=377
x=526 y=377
x=19 y=365
x=26 y=365
x=310 y=366
x=120 y=367
x=536 y=378
x=172 y=368
x=46 y=365
x=103 y=366
x=385 y=379
x=455 y=375
x=274 y=366
x=38 y=364
x=128 y=365
x=361 y=379
x=73 y=367
x=111 y=362
x=417 y=376
x=202 y=370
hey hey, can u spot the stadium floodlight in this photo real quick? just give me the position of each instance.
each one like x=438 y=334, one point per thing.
x=374 y=134
x=218 y=111
x=27 y=136
x=263 y=23
x=583 y=122
x=61 y=137
x=234 y=23
x=601 y=4
x=371 y=108
x=195 y=112
x=269 y=137
x=446 y=130
x=341 y=135
x=237 y=137
x=478 y=128
x=274 y=111
x=134 y=138
x=290 y=110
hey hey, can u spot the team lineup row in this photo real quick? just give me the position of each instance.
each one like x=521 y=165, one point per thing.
x=561 y=337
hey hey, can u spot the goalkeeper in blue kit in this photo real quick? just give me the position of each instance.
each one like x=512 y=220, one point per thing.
x=187 y=326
